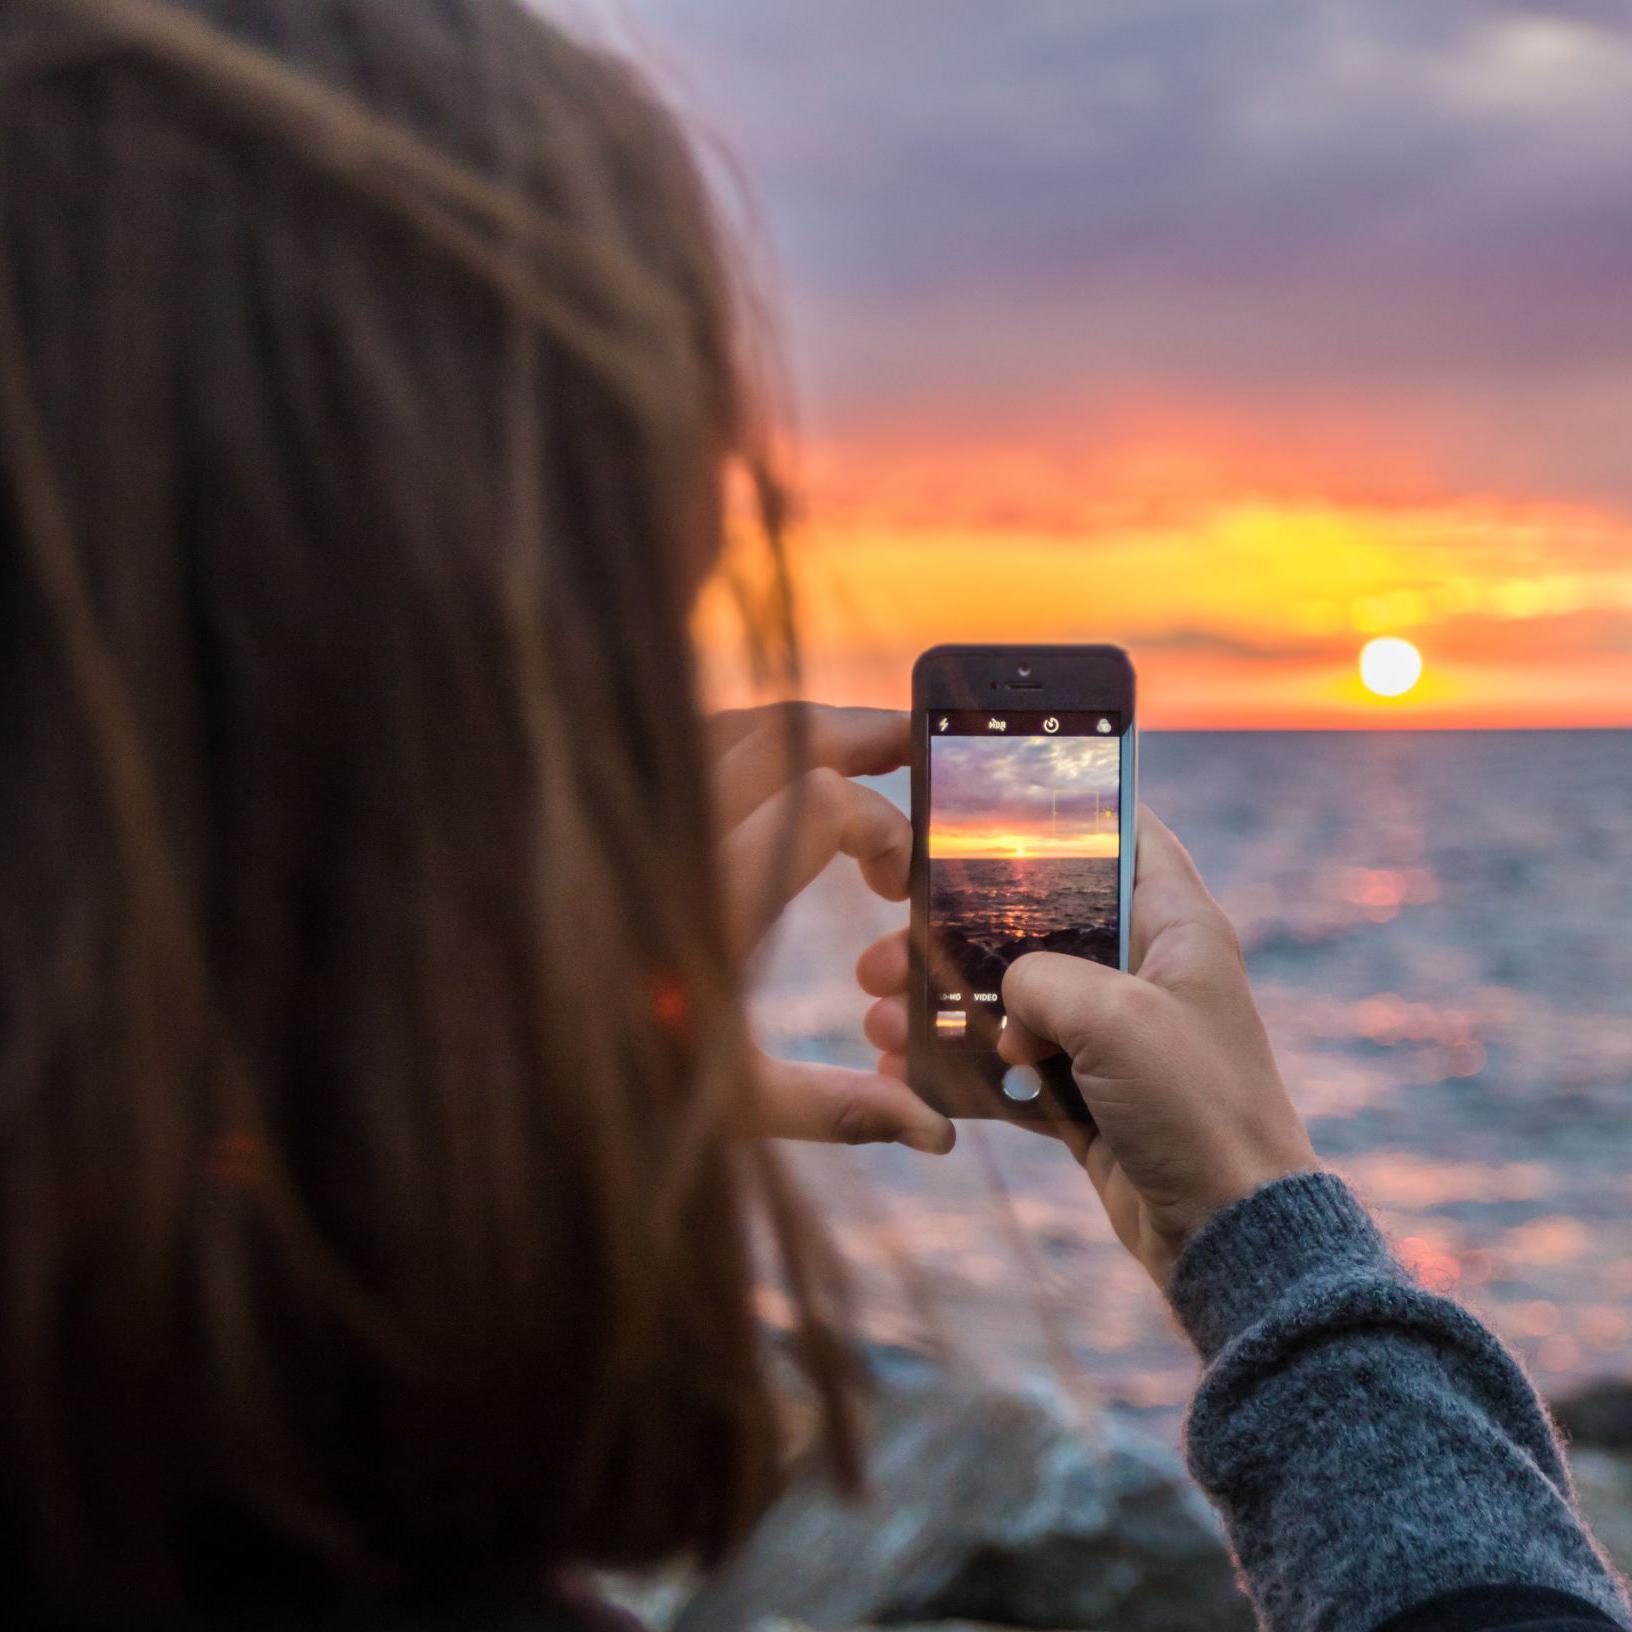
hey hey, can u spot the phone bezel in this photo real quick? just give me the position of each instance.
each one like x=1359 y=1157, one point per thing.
x=1066 y=678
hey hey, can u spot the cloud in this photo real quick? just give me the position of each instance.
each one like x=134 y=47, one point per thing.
x=1024 y=781
x=1222 y=643
x=1419 y=215
x=1543 y=638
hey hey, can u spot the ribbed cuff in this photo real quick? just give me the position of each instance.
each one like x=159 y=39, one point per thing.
x=1308 y=1225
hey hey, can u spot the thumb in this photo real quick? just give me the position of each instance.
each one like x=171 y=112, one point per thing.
x=1055 y=1002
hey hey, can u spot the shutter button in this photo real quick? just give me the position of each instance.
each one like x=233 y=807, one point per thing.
x=1022 y=1083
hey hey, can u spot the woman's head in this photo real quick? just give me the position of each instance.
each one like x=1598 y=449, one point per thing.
x=369 y=1028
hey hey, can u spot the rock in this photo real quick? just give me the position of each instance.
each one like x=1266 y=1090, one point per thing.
x=923 y=1626
x=1598 y=1415
x=1124 y=1539
x=1603 y=1482
x=780 y=1625
x=991 y=1505
x=1597 y=1425
x=982 y=966
x=944 y=1626
x=654 y=1597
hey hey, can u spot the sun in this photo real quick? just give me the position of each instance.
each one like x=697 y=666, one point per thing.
x=1390 y=667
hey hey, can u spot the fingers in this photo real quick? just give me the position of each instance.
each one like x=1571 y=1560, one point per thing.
x=884 y=969
x=788 y=840
x=885 y=1025
x=762 y=750
x=1020 y=1045
x=802 y=1100
x=1058 y=1002
x=1168 y=892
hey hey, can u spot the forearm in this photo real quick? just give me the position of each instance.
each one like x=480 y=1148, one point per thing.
x=1370 y=1446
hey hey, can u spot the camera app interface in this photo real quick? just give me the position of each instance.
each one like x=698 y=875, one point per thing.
x=1025 y=826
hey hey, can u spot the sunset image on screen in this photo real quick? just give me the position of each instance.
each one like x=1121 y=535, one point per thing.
x=1023 y=855
x=1024 y=798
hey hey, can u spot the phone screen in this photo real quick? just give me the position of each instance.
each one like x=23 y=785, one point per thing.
x=1024 y=852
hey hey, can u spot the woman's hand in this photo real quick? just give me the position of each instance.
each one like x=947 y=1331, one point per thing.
x=1189 y=1110
x=789 y=808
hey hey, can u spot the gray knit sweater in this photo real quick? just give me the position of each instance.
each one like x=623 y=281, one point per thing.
x=1371 y=1446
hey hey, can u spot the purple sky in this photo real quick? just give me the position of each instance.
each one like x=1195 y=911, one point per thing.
x=1021 y=784
x=1415 y=215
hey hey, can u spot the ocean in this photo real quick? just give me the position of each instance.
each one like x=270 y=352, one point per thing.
x=1439 y=931
x=998 y=902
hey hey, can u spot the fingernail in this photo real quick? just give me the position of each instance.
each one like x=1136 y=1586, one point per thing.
x=931 y=1141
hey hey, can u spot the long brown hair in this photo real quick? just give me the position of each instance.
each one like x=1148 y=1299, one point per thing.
x=370 y=1033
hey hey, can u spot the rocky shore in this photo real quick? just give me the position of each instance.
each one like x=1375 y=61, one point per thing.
x=982 y=964
x=987 y=1506
x=1597 y=1423
x=994 y=1508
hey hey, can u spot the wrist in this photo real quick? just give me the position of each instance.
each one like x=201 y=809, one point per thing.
x=1226 y=1185
x=1298 y=1227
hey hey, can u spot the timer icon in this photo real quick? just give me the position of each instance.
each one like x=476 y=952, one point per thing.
x=1051 y=725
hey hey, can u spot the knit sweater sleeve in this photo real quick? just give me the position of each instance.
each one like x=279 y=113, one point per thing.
x=1371 y=1447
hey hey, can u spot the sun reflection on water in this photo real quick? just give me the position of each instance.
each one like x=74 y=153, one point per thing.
x=1447 y=975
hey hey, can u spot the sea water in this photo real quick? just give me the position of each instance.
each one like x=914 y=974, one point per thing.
x=998 y=902
x=1439 y=931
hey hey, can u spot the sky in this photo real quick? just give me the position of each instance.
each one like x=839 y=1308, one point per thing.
x=1023 y=797
x=1237 y=331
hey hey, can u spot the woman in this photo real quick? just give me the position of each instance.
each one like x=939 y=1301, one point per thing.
x=376 y=1183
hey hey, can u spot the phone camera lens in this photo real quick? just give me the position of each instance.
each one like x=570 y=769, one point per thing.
x=1025 y=671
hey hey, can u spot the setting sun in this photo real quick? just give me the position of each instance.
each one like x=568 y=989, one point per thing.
x=1390 y=667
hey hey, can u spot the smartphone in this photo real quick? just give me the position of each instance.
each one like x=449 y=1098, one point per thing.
x=1024 y=779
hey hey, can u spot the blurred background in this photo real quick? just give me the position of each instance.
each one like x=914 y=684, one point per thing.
x=1241 y=332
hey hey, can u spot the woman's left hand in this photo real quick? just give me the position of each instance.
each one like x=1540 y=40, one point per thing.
x=785 y=819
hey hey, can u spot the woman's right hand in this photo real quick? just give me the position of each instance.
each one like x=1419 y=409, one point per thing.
x=1190 y=1113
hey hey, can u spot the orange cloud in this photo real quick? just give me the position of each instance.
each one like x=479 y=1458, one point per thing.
x=1242 y=609
x=971 y=842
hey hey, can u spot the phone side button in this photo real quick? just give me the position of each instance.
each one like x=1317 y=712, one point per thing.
x=1022 y=1083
